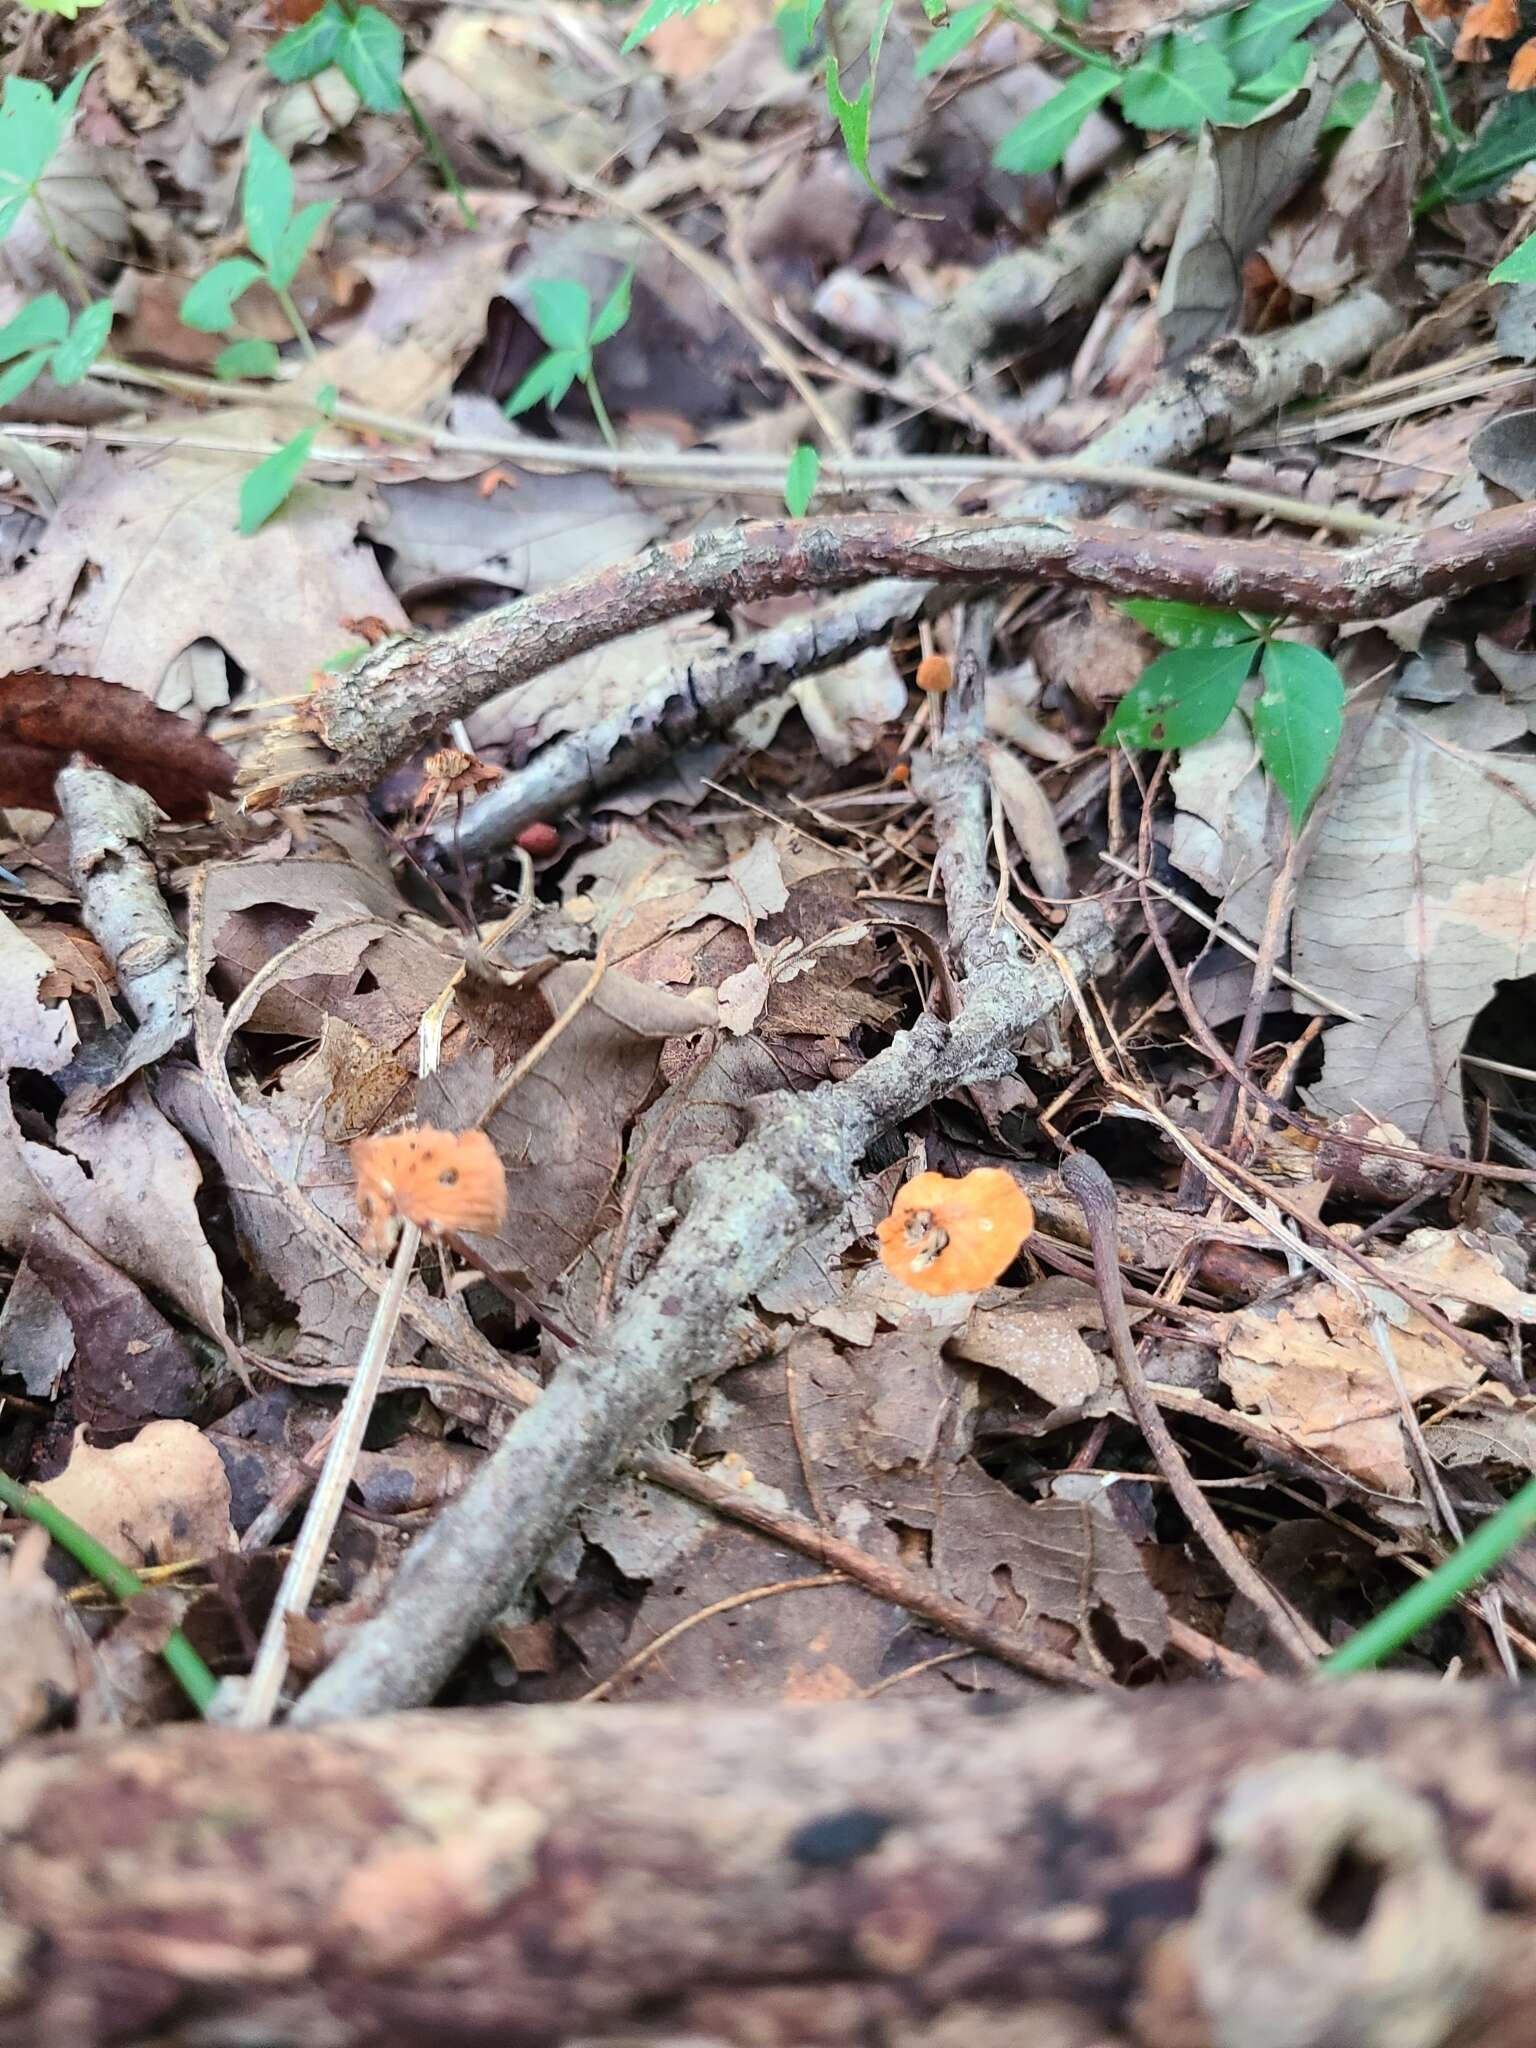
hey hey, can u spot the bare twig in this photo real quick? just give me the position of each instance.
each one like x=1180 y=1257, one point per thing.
x=1095 y=1191
x=1210 y=399
x=401 y=696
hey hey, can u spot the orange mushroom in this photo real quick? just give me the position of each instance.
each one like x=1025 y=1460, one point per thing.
x=946 y=1236
x=935 y=672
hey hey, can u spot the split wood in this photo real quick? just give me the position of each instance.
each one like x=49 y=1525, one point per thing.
x=1293 y=1866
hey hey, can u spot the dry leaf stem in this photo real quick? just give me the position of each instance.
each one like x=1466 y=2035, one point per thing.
x=1095 y=1192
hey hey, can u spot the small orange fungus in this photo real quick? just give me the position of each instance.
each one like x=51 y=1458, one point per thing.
x=1522 y=67
x=935 y=672
x=442 y=1181
x=947 y=1236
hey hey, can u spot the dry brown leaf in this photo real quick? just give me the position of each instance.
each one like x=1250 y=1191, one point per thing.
x=131 y=1364
x=35 y=1033
x=1415 y=905
x=161 y=1498
x=1311 y=1365
x=143 y=558
x=46 y=719
x=41 y=1671
x=1493 y=21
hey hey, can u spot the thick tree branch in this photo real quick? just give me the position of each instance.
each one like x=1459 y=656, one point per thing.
x=1245 y=1867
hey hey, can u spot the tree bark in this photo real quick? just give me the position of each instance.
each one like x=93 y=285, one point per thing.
x=1334 y=1866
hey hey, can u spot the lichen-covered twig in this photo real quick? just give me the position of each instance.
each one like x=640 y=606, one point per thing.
x=111 y=826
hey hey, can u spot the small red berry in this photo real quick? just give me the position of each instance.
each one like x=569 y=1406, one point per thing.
x=539 y=841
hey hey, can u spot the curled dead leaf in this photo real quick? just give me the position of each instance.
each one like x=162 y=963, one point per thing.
x=45 y=719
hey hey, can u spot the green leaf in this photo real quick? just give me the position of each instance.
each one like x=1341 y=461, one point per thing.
x=325 y=400
x=40 y=323
x=266 y=195
x=1350 y=105
x=1179 y=84
x=209 y=305
x=249 y=358
x=69 y=98
x=269 y=483
x=19 y=375
x=800 y=479
x=1507 y=141
x=951 y=39
x=852 y=116
x=562 y=311
x=1187 y=625
x=613 y=312
x=1182 y=697
x=1258 y=36
x=654 y=15
x=371 y=57
x=1043 y=138
x=309 y=48
x=549 y=379
x=338 y=664
x=1282 y=77
x=87 y=338
x=30 y=131
x=293 y=243
x=68 y=8
x=1518 y=267
x=1298 y=719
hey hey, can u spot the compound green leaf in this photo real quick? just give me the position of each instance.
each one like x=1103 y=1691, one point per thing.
x=294 y=240
x=562 y=311
x=1298 y=719
x=613 y=312
x=41 y=323
x=307 y=49
x=654 y=15
x=1187 y=625
x=800 y=479
x=1183 y=697
x=266 y=194
x=1179 y=84
x=1043 y=138
x=269 y=483
x=371 y=57
x=87 y=338
x=209 y=304
x=549 y=379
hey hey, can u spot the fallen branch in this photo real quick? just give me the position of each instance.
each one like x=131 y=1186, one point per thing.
x=1212 y=398
x=112 y=826
x=1293 y=1867
x=376 y=714
x=749 y=1210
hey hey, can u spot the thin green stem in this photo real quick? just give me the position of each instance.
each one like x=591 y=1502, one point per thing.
x=295 y=320
x=1048 y=34
x=1424 y=1602
x=604 y=424
x=76 y=275
x=186 y=1666
x=434 y=149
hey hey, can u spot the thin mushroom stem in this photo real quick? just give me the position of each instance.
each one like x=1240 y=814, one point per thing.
x=259 y=1698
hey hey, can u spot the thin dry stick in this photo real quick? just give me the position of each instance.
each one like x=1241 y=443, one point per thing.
x=1085 y=1179
x=1228 y=937
x=259 y=1696
x=679 y=1474
x=680 y=1628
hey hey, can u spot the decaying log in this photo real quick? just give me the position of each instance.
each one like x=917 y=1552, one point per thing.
x=1348 y=1866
